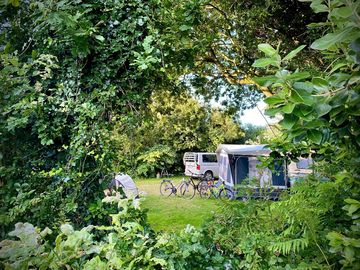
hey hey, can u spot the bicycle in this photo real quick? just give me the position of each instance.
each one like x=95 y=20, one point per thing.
x=164 y=173
x=204 y=180
x=216 y=189
x=186 y=188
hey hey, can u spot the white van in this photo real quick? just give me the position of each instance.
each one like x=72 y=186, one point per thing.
x=200 y=163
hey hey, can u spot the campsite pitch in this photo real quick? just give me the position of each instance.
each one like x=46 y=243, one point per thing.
x=173 y=213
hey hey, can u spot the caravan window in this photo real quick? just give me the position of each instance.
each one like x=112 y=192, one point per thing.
x=209 y=158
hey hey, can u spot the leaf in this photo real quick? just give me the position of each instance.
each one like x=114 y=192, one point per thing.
x=349 y=253
x=265 y=80
x=274 y=100
x=355 y=45
x=318 y=7
x=342 y=12
x=264 y=62
x=352 y=201
x=184 y=27
x=100 y=38
x=288 y=108
x=273 y=111
x=267 y=49
x=295 y=97
x=315 y=136
x=293 y=53
x=14 y=3
x=337 y=66
x=315 y=124
x=340 y=119
x=289 y=121
x=322 y=109
x=331 y=39
x=297 y=76
x=320 y=84
x=306 y=86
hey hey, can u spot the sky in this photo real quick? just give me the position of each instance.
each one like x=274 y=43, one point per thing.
x=254 y=117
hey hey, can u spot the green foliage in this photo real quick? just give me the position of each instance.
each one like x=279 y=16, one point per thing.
x=215 y=43
x=128 y=243
x=347 y=245
x=259 y=134
x=322 y=108
x=319 y=110
x=156 y=158
x=68 y=70
x=285 y=234
x=173 y=123
x=75 y=75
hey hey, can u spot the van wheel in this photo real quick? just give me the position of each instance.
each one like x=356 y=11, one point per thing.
x=208 y=175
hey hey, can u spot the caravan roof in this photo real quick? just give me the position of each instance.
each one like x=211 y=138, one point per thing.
x=244 y=150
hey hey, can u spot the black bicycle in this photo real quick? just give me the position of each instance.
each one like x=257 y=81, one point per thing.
x=200 y=181
x=216 y=189
x=186 y=188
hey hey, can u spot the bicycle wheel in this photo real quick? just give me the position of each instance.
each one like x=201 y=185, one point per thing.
x=187 y=190
x=204 y=189
x=166 y=188
x=226 y=194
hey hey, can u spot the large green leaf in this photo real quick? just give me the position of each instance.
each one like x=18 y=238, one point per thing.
x=320 y=84
x=265 y=80
x=306 y=97
x=341 y=118
x=342 y=12
x=264 y=62
x=322 y=109
x=355 y=45
x=315 y=136
x=306 y=86
x=267 y=49
x=274 y=100
x=316 y=123
x=295 y=97
x=273 y=111
x=319 y=7
x=331 y=39
x=289 y=121
x=297 y=76
x=288 y=108
x=293 y=53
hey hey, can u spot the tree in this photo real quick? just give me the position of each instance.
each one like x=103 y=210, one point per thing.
x=321 y=115
x=68 y=71
x=173 y=124
x=216 y=41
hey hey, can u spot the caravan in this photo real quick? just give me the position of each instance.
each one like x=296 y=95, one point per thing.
x=240 y=162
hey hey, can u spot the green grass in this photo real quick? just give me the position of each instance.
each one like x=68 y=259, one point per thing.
x=173 y=213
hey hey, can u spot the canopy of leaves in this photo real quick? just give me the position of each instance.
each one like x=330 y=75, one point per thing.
x=217 y=40
x=68 y=70
x=196 y=127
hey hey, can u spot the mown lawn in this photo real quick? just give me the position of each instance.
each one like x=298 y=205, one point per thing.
x=173 y=213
